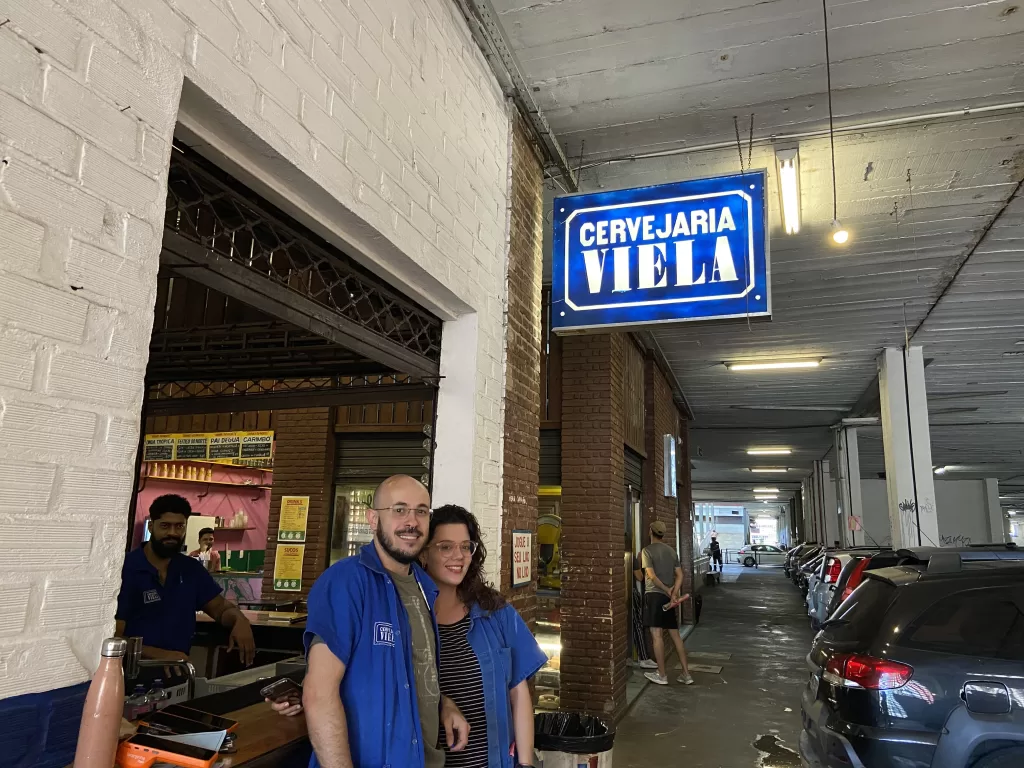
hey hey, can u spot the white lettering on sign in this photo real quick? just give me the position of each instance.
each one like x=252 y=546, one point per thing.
x=653 y=261
x=522 y=558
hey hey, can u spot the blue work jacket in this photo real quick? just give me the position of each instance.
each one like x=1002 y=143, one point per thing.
x=356 y=610
x=508 y=654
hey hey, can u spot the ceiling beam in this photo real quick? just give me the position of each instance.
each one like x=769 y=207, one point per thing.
x=209 y=268
x=282 y=401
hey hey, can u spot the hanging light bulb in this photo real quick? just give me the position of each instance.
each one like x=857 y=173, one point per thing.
x=839 y=233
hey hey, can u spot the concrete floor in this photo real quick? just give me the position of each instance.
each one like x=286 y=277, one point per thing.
x=757 y=617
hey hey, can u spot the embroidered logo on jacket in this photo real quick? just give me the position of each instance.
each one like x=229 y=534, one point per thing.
x=383 y=634
x=150 y=596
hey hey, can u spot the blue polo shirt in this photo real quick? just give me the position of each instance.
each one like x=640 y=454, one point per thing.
x=356 y=610
x=163 y=615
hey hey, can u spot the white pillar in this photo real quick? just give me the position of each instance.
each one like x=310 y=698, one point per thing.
x=908 y=450
x=829 y=504
x=848 y=487
x=456 y=415
x=996 y=519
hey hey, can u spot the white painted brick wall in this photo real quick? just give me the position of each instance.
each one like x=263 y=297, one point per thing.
x=385 y=104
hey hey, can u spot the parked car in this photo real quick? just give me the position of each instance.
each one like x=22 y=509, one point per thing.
x=801 y=560
x=794 y=554
x=921 y=668
x=760 y=554
x=822 y=587
x=808 y=573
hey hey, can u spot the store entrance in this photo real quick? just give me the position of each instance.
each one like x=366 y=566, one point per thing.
x=269 y=345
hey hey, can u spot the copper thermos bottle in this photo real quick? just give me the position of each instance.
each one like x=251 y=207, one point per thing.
x=104 y=704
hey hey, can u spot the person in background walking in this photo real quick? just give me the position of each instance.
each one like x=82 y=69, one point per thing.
x=640 y=633
x=487 y=653
x=661 y=566
x=716 y=554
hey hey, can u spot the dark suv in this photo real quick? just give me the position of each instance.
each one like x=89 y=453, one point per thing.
x=921 y=667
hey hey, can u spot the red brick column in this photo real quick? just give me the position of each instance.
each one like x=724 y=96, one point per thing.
x=661 y=418
x=522 y=378
x=594 y=610
x=303 y=466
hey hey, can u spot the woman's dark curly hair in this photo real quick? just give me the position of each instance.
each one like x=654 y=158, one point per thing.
x=473 y=588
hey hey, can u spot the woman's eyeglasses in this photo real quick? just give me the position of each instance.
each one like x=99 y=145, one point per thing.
x=449 y=548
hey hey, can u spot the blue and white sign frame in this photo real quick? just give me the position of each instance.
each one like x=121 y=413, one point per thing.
x=679 y=252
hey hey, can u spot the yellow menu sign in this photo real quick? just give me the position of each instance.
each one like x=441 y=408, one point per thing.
x=294 y=512
x=218 y=447
x=288 y=567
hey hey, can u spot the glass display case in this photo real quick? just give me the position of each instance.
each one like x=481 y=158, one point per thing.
x=549 y=636
x=349 y=529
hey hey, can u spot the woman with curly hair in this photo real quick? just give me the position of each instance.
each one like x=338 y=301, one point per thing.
x=487 y=653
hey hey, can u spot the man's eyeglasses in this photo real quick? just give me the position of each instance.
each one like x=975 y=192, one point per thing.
x=403 y=511
x=449 y=548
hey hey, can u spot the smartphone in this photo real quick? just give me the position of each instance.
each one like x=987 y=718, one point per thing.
x=284 y=689
x=215 y=721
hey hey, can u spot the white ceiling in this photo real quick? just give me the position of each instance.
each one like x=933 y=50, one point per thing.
x=618 y=79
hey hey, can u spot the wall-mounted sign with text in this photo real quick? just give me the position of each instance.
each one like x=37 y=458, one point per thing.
x=240 y=448
x=690 y=250
x=522 y=558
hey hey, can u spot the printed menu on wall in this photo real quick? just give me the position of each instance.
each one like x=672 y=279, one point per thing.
x=294 y=513
x=288 y=567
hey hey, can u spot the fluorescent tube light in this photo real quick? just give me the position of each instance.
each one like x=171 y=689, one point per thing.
x=765 y=470
x=766 y=490
x=773 y=366
x=768 y=451
x=789 y=188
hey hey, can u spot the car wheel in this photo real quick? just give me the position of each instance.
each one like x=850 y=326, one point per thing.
x=1001 y=758
x=748 y=562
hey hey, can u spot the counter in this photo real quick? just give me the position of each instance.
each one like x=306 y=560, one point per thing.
x=278 y=635
x=265 y=739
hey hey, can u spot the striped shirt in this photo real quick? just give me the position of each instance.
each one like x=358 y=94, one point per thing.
x=462 y=683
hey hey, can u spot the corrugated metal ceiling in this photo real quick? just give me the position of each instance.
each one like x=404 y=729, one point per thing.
x=624 y=78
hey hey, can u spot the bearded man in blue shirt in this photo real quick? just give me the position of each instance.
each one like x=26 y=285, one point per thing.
x=371 y=691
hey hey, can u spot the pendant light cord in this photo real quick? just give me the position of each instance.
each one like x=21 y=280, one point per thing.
x=831 y=131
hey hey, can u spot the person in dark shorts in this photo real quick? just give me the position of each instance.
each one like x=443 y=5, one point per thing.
x=664 y=579
x=716 y=554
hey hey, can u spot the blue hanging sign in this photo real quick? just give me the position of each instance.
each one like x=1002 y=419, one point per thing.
x=691 y=250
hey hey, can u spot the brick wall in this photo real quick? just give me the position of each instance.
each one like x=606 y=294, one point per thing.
x=303 y=466
x=594 y=611
x=384 y=124
x=661 y=418
x=521 y=451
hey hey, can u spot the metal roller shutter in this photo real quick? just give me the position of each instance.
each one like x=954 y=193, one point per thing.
x=634 y=469
x=370 y=459
x=551 y=457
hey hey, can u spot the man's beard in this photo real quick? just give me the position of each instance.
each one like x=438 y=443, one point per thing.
x=388 y=545
x=162 y=549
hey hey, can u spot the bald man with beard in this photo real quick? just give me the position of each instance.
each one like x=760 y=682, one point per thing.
x=371 y=690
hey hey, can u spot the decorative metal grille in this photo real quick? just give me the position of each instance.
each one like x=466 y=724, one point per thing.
x=236 y=224
x=173 y=390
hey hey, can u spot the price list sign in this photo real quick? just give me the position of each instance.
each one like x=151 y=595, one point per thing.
x=257 y=445
x=192 y=447
x=288 y=567
x=294 y=512
x=158 y=448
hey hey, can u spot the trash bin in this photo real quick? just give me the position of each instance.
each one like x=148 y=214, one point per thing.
x=573 y=740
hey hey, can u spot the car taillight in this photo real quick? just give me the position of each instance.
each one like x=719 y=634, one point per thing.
x=854 y=670
x=856 y=576
x=834 y=569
